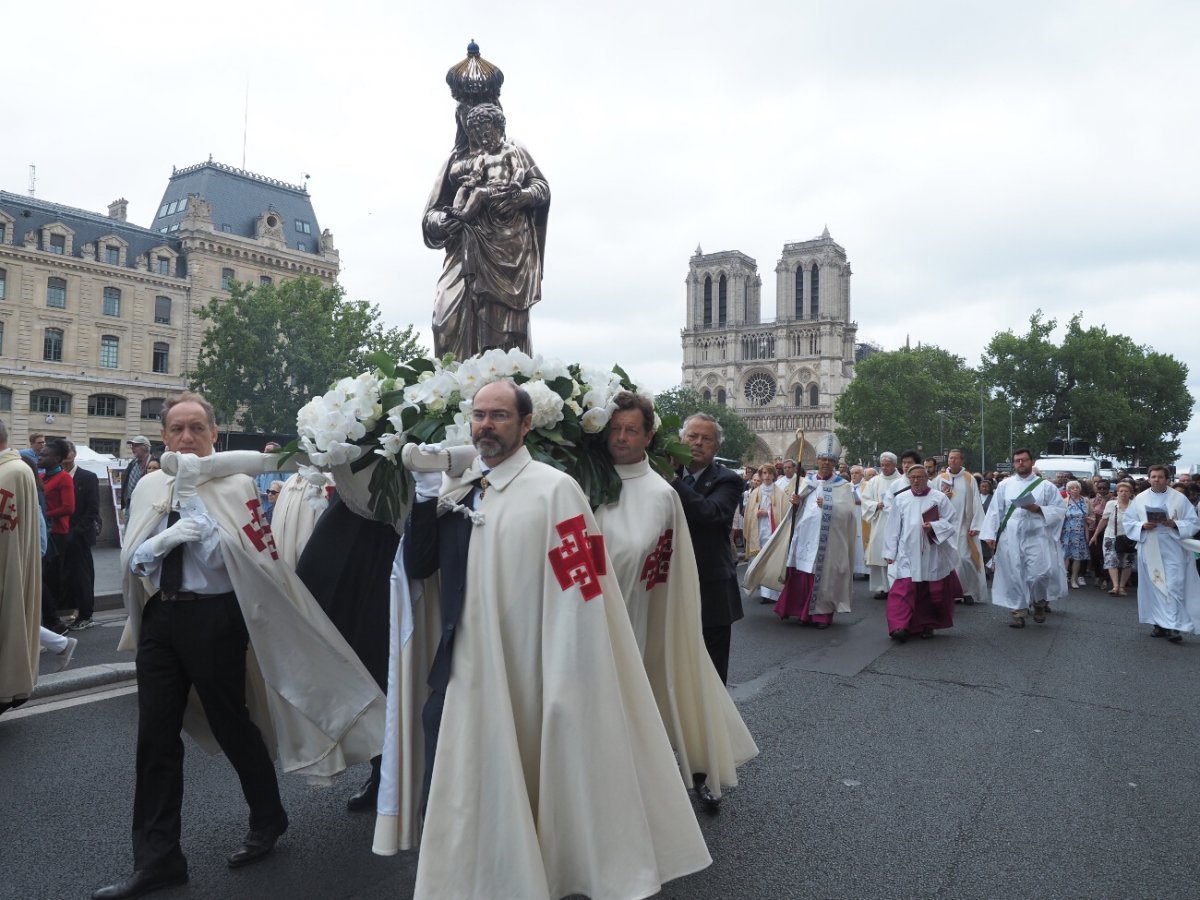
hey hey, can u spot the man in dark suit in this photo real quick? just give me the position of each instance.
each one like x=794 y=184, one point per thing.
x=79 y=572
x=710 y=495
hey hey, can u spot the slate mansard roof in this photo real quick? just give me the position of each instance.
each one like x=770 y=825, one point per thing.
x=32 y=214
x=238 y=198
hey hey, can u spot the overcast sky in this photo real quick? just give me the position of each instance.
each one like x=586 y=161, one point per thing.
x=977 y=161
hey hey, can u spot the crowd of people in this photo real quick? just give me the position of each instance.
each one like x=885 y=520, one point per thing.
x=587 y=650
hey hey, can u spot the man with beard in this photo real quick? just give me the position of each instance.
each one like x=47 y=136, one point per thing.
x=1022 y=527
x=543 y=742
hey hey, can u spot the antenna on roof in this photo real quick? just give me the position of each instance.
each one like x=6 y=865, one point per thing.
x=32 y=180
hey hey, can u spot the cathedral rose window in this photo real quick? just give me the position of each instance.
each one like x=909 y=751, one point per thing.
x=760 y=388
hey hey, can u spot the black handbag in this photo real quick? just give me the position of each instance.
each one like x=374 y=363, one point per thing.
x=1125 y=544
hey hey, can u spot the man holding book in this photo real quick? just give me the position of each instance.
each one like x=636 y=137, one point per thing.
x=1022 y=527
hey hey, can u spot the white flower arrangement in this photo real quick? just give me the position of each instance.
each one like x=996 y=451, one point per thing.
x=371 y=417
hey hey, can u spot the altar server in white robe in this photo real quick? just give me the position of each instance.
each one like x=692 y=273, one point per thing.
x=552 y=773
x=960 y=486
x=920 y=547
x=874 y=514
x=646 y=535
x=1168 y=586
x=1022 y=526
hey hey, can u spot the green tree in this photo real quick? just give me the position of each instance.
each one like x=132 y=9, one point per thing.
x=269 y=348
x=1128 y=401
x=683 y=401
x=909 y=397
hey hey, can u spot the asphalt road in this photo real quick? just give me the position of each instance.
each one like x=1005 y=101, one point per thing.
x=1059 y=761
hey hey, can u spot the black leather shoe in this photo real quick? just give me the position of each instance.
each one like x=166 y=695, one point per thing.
x=366 y=797
x=704 y=793
x=900 y=635
x=143 y=881
x=257 y=843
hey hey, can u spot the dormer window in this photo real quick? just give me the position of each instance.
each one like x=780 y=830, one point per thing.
x=112 y=255
x=58 y=244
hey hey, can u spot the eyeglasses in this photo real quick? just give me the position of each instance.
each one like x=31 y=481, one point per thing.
x=269 y=493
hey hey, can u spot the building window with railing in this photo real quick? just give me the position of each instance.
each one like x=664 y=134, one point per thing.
x=721 y=301
x=164 y=265
x=52 y=345
x=814 y=396
x=162 y=310
x=5 y=399
x=112 y=255
x=109 y=351
x=162 y=358
x=112 y=301
x=3 y=283
x=57 y=244
x=49 y=402
x=152 y=409
x=721 y=396
x=56 y=293
x=106 y=405
x=799 y=305
x=111 y=446
x=708 y=301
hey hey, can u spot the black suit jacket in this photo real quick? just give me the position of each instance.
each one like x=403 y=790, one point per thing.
x=709 y=508
x=85 y=522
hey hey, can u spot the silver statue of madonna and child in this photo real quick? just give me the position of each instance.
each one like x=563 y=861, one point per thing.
x=488 y=211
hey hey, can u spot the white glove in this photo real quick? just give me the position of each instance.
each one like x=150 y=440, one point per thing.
x=232 y=462
x=187 y=476
x=435 y=458
x=184 y=531
x=429 y=484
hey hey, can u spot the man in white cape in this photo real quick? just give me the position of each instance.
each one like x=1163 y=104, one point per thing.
x=1160 y=520
x=1022 y=526
x=810 y=557
x=646 y=535
x=297 y=508
x=20 y=577
x=230 y=647
x=921 y=549
x=874 y=515
x=552 y=772
x=960 y=486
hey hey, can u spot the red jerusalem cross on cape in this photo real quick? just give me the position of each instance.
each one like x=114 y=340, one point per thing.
x=8 y=511
x=658 y=563
x=579 y=559
x=258 y=530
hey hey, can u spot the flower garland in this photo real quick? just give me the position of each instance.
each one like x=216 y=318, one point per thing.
x=369 y=418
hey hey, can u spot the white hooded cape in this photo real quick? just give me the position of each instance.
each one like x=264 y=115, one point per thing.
x=553 y=775
x=317 y=707
x=646 y=535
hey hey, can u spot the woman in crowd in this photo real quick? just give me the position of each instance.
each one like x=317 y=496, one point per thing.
x=1120 y=553
x=1075 y=533
x=1097 y=501
x=760 y=512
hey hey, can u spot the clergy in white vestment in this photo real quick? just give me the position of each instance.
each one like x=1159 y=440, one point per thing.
x=960 y=486
x=1022 y=526
x=874 y=515
x=761 y=512
x=860 y=546
x=646 y=535
x=921 y=548
x=1168 y=585
x=810 y=559
x=551 y=770
x=20 y=577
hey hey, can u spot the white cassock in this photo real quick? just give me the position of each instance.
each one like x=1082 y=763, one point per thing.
x=1029 y=563
x=646 y=535
x=915 y=556
x=877 y=491
x=963 y=492
x=1168 y=585
x=554 y=774
x=318 y=708
x=860 y=552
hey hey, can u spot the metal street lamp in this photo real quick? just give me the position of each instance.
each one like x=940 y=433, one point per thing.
x=941 y=432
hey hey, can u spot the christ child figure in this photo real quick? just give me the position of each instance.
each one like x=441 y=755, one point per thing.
x=493 y=169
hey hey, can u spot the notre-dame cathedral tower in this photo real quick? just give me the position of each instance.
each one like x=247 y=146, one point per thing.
x=781 y=375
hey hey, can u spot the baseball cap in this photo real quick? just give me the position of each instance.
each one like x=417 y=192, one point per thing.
x=140 y=439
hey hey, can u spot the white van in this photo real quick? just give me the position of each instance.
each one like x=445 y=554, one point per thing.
x=1082 y=468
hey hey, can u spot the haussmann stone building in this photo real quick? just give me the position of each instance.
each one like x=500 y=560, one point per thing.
x=781 y=375
x=97 y=319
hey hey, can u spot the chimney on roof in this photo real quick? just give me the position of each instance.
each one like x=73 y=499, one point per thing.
x=118 y=209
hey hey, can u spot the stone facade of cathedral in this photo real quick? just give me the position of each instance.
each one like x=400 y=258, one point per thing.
x=781 y=375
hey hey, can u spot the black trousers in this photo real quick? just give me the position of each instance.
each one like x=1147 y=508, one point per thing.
x=53 y=579
x=79 y=576
x=716 y=642
x=184 y=644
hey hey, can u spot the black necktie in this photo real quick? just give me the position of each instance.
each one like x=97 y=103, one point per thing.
x=171 y=578
x=690 y=480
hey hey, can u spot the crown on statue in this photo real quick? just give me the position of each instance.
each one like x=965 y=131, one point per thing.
x=475 y=80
